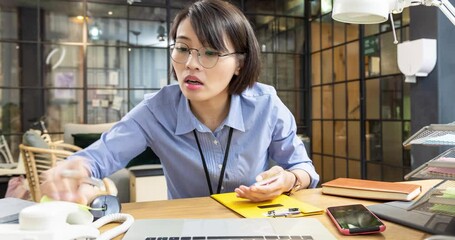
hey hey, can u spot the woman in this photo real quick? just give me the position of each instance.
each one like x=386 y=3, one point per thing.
x=215 y=131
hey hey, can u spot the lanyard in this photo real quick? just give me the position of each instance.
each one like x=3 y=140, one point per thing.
x=223 y=168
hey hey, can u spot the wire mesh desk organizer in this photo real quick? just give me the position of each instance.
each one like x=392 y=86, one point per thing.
x=441 y=198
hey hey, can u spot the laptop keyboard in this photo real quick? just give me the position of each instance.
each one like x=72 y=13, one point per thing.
x=233 y=238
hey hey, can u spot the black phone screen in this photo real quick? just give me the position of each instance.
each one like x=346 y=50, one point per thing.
x=355 y=217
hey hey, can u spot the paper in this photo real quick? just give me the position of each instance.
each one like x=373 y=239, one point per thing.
x=113 y=78
x=249 y=209
x=444 y=139
x=117 y=103
x=104 y=103
x=96 y=102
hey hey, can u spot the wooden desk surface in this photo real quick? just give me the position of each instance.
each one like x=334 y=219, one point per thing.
x=205 y=207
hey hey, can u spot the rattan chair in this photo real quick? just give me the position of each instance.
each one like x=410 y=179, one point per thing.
x=37 y=160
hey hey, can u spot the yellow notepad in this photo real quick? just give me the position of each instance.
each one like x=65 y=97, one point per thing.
x=281 y=204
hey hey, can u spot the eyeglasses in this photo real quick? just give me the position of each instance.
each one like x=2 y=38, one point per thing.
x=207 y=57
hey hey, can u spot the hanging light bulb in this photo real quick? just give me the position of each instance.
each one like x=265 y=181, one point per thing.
x=161 y=33
x=95 y=32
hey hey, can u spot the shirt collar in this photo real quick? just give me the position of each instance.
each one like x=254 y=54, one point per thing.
x=187 y=122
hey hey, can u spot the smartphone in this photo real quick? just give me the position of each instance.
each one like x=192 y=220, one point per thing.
x=355 y=219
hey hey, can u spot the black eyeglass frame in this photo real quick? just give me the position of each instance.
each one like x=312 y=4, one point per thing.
x=171 y=48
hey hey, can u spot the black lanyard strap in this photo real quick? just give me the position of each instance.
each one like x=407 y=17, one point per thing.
x=223 y=168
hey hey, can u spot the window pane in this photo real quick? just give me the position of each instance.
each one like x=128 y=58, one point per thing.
x=406 y=102
x=268 y=69
x=341 y=166
x=326 y=6
x=327 y=33
x=372 y=56
x=103 y=108
x=405 y=16
x=293 y=7
x=315 y=8
x=154 y=75
x=371 y=29
x=8 y=21
x=353 y=100
x=317 y=137
x=389 y=51
x=353 y=57
x=374 y=171
x=353 y=140
x=372 y=98
x=285 y=36
x=316 y=68
x=339 y=30
x=327 y=71
x=64 y=66
x=327 y=102
x=340 y=138
x=327 y=169
x=107 y=67
x=148 y=27
x=354 y=169
x=266 y=6
x=64 y=21
x=315 y=35
x=63 y=107
x=293 y=101
x=9 y=64
x=288 y=71
x=10 y=112
x=263 y=27
x=339 y=101
x=316 y=102
x=392 y=139
x=352 y=32
x=391 y=101
x=327 y=130
x=373 y=141
x=393 y=173
x=339 y=63
x=136 y=96
x=317 y=163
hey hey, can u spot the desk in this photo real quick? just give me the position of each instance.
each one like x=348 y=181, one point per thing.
x=205 y=207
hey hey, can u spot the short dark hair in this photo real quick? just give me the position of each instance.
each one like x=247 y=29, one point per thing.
x=212 y=20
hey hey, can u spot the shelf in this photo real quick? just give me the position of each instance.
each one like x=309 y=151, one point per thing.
x=428 y=204
x=440 y=167
x=434 y=134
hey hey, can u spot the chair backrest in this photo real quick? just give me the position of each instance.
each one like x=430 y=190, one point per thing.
x=73 y=128
x=5 y=152
x=37 y=160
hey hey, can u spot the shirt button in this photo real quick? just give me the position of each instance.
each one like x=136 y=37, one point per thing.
x=220 y=166
x=215 y=142
x=222 y=188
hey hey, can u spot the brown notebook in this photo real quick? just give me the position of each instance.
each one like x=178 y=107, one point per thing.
x=359 y=188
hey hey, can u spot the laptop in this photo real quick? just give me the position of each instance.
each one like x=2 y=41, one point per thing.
x=420 y=219
x=228 y=228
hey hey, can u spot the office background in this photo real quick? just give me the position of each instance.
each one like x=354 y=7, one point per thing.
x=92 y=61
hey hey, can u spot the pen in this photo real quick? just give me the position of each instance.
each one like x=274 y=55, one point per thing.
x=88 y=180
x=268 y=180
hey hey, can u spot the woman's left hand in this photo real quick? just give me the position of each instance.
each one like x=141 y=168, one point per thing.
x=269 y=185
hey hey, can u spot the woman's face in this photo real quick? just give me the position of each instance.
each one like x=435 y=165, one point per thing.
x=197 y=83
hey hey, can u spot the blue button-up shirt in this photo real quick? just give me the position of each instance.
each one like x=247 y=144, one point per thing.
x=263 y=129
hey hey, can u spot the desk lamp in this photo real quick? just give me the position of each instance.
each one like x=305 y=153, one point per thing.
x=377 y=11
x=414 y=58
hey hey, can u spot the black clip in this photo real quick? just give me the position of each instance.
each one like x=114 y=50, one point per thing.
x=283 y=212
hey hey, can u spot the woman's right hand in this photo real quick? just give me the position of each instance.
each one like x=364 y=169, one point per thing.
x=64 y=182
